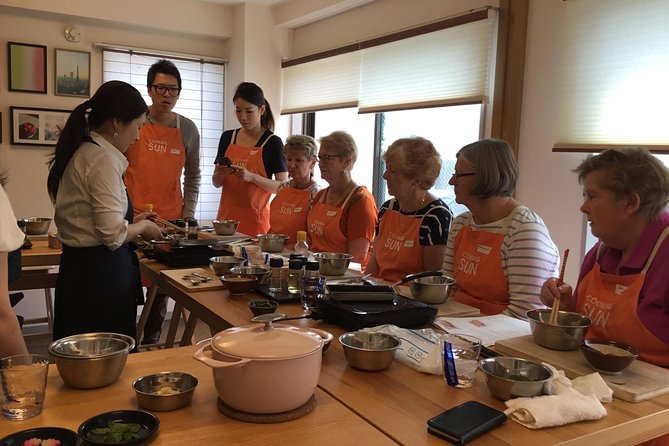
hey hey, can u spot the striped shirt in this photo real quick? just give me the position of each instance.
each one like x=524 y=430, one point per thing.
x=529 y=256
x=436 y=221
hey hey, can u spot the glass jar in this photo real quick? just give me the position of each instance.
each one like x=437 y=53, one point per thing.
x=294 y=274
x=301 y=247
x=275 y=274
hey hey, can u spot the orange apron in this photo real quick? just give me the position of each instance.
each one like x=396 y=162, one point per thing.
x=398 y=249
x=242 y=200
x=323 y=224
x=155 y=164
x=288 y=212
x=610 y=301
x=477 y=267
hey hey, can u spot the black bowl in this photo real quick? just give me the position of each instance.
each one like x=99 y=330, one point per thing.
x=148 y=426
x=259 y=307
x=65 y=436
x=607 y=356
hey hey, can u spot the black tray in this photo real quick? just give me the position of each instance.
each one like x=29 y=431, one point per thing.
x=402 y=312
x=278 y=296
x=361 y=293
x=187 y=256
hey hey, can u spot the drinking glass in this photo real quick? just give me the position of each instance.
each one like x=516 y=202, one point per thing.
x=460 y=353
x=23 y=385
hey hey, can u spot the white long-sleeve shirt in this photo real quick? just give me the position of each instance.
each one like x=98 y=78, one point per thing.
x=92 y=203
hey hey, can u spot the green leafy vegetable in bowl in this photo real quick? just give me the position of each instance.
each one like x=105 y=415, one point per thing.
x=116 y=432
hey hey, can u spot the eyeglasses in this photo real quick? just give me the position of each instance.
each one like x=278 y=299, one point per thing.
x=161 y=89
x=327 y=157
x=460 y=175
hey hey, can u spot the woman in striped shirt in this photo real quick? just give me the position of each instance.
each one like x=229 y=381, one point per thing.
x=500 y=252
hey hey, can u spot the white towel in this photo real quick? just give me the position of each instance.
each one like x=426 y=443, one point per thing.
x=593 y=384
x=555 y=410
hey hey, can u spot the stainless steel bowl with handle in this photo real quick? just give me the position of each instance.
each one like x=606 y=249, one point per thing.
x=222 y=264
x=369 y=351
x=91 y=360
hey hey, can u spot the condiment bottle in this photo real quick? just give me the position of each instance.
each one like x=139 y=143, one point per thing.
x=301 y=247
x=275 y=279
x=192 y=228
x=294 y=274
x=312 y=286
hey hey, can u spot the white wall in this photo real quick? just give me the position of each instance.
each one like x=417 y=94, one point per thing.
x=546 y=182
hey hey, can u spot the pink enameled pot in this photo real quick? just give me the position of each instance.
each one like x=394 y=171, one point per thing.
x=265 y=368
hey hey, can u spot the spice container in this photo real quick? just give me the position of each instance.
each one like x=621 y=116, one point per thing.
x=294 y=274
x=312 y=286
x=192 y=228
x=275 y=274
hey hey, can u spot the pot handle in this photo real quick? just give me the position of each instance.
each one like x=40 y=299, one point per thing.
x=326 y=336
x=411 y=277
x=203 y=356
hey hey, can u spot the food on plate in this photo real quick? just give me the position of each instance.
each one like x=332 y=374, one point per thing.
x=40 y=442
x=116 y=432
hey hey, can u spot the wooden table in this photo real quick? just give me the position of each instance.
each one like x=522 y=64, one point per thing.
x=399 y=400
x=200 y=423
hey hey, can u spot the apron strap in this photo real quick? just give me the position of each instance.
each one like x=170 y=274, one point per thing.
x=658 y=243
x=233 y=140
x=178 y=120
x=268 y=135
x=348 y=197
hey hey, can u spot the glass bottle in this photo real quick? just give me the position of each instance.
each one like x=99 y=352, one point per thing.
x=301 y=247
x=294 y=274
x=192 y=228
x=275 y=273
x=312 y=286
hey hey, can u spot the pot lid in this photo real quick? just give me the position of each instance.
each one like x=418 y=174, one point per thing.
x=265 y=341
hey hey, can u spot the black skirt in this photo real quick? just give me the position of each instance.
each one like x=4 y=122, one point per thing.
x=97 y=290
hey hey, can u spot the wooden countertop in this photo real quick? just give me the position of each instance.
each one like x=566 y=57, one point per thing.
x=331 y=423
x=399 y=400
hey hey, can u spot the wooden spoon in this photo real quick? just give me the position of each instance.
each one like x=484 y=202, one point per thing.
x=555 y=311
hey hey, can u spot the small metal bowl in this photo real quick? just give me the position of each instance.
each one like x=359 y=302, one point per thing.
x=259 y=272
x=509 y=377
x=333 y=263
x=369 y=351
x=225 y=227
x=35 y=225
x=432 y=289
x=238 y=283
x=272 y=242
x=222 y=264
x=608 y=356
x=165 y=391
x=566 y=335
x=259 y=307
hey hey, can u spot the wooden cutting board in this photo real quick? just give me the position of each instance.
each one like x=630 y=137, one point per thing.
x=176 y=277
x=638 y=382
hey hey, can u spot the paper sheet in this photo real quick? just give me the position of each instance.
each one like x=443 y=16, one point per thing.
x=487 y=328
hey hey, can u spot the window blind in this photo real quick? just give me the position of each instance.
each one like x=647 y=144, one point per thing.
x=201 y=100
x=434 y=65
x=614 y=74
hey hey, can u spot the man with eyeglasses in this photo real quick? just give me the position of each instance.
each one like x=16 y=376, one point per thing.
x=168 y=145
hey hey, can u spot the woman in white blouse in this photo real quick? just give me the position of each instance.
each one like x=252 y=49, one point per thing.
x=11 y=238
x=98 y=286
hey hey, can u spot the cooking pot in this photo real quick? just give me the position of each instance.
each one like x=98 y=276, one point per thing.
x=430 y=287
x=265 y=368
x=272 y=242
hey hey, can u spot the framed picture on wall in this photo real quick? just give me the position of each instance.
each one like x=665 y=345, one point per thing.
x=26 y=65
x=36 y=126
x=72 y=73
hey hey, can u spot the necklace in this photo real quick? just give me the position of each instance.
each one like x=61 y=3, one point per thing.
x=420 y=205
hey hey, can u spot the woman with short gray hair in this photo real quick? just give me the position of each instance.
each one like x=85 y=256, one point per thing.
x=500 y=252
x=622 y=286
x=294 y=197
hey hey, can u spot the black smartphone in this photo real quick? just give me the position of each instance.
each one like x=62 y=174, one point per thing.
x=223 y=161
x=463 y=423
